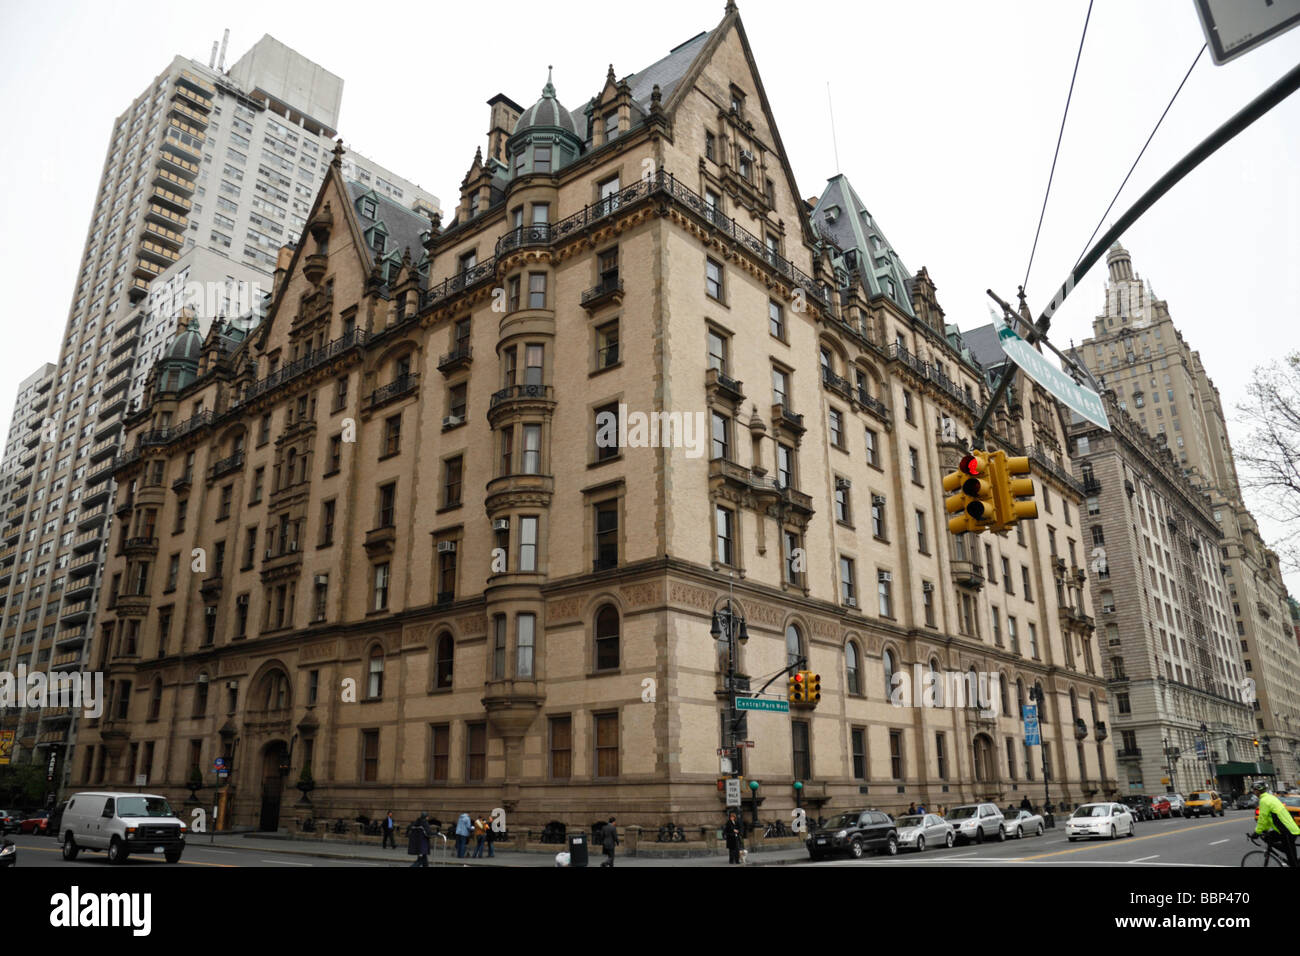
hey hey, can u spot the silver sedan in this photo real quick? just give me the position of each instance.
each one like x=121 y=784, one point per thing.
x=1021 y=822
x=917 y=831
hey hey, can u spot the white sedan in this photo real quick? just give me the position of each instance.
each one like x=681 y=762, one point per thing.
x=1021 y=822
x=917 y=831
x=1099 y=820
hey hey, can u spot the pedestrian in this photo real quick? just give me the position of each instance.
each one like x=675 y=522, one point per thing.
x=418 y=841
x=480 y=830
x=491 y=837
x=463 y=828
x=911 y=809
x=921 y=809
x=609 y=837
x=733 y=832
x=390 y=831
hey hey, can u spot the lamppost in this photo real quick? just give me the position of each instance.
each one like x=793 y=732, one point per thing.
x=731 y=626
x=1036 y=695
x=1169 y=767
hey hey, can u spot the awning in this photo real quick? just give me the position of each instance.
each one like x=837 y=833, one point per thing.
x=1240 y=768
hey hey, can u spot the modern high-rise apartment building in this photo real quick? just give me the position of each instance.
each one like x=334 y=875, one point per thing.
x=1172 y=656
x=207 y=174
x=447 y=565
x=1138 y=352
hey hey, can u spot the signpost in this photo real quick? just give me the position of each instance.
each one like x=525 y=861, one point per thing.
x=1233 y=27
x=733 y=791
x=1078 y=398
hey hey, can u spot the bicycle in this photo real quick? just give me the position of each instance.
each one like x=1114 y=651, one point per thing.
x=1269 y=856
x=671 y=834
x=776 y=828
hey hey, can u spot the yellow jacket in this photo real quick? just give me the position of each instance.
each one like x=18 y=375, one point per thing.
x=1274 y=815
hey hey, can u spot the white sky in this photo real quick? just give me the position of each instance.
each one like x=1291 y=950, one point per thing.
x=946 y=114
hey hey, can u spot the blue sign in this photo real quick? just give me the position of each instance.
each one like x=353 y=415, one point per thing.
x=1030 y=714
x=219 y=764
x=1200 y=748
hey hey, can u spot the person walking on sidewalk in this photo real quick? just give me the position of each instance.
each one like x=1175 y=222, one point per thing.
x=463 y=828
x=733 y=833
x=480 y=833
x=390 y=831
x=418 y=841
x=491 y=837
x=609 y=837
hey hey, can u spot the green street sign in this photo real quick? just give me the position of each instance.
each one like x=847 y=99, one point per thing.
x=1078 y=398
x=756 y=703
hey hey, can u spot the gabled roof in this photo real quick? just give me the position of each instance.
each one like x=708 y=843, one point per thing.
x=404 y=227
x=841 y=215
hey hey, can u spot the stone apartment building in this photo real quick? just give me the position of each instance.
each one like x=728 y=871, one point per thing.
x=1137 y=351
x=426 y=581
x=1171 y=655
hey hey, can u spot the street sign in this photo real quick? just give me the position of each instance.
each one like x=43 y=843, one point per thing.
x=1033 y=363
x=733 y=791
x=746 y=743
x=1030 y=714
x=1200 y=748
x=757 y=703
x=6 y=745
x=219 y=764
x=1233 y=27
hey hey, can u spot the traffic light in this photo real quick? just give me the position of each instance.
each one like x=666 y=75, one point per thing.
x=797 y=691
x=813 y=688
x=973 y=505
x=1006 y=489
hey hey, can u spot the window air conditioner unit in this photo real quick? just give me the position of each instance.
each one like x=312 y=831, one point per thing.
x=232 y=684
x=322 y=580
x=501 y=524
x=203 y=678
x=268 y=554
x=293 y=546
x=446 y=547
x=746 y=154
x=850 y=602
x=451 y=420
x=843 y=483
x=242 y=600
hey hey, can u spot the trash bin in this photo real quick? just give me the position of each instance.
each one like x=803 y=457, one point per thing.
x=577 y=849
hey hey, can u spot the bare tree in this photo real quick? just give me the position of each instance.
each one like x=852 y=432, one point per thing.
x=1270 y=457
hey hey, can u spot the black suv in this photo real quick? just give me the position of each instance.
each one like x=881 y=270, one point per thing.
x=1140 y=806
x=856 y=832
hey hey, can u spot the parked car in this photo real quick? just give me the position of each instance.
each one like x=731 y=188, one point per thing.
x=1020 y=822
x=854 y=832
x=1176 y=803
x=1202 y=802
x=917 y=831
x=1161 y=807
x=1140 y=806
x=36 y=823
x=8 y=822
x=976 y=822
x=8 y=853
x=121 y=824
x=1099 y=820
x=1247 y=801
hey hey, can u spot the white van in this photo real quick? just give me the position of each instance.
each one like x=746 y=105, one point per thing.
x=121 y=824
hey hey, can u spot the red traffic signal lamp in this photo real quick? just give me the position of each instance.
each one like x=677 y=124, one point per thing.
x=797 y=688
x=973 y=507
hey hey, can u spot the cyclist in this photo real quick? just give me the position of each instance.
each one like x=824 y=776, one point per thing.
x=1275 y=821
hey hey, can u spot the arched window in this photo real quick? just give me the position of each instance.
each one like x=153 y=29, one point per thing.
x=973 y=688
x=1020 y=697
x=985 y=769
x=1092 y=699
x=888 y=660
x=201 y=695
x=851 y=667
x=793 y=646
x=1002 y=695
x=607 y=637
x=1074 y=704
x=936 y=680
x=442 y=661
x=375 y=685
x=155 y=699
x=277 y=691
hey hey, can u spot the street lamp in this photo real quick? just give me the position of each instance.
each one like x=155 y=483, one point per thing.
x=1036 y=695
x=729 y=625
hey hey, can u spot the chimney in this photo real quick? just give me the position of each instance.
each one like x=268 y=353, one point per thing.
x=221 y=63
x=212 y=60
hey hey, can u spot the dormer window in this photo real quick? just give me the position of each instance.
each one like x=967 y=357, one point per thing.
x=369 y=208
x=542 y=159
x=377 y=241
x=611 y=126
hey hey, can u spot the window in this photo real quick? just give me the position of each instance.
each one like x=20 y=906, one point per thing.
x=606 y=739
x=922 y=545
x=444 y=652
x=1024 y=579
x=327 y=523
x=381 y=587
x=792 y=545
x=1006 y=576
x=607 y=638
x=836 y=420
x=537 y=290
x=561 y=747
x=606 y=545
x=713 y=279
x=725 y=519
x=843 y=513
x=907 y=407
x=927 y=601
x=775 y=319
x=528 y=543
x=451 y=481
x=607 y=427
x=440 y=752
x=475 y=751
x=320 y=602
x=858 y=742
x=878 y=526
x=393 y=435
x=914 y=462
x=801 y=756
x=499 y=647
x=785 y=475
x=387 y=511
x=717 y=351
x=525 y=628
x=854 y=678
x=721 y=436
x=607 y=355
x=375 y=674
x=710 y=146
x=873 y=454
x=780 y=387
x=896 y=754
x=532 y=461
x=884 y=584
x=848 y=589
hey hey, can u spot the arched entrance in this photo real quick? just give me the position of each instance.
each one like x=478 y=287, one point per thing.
x=275 y=767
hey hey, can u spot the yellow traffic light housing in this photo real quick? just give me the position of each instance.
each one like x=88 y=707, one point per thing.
x=813 y=688
x=974 y=506
x=797 y=688
x=1007 y=489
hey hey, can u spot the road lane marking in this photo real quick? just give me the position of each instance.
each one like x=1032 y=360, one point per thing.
x=1217 y=842
x=41 y=849
x=285 y=863
x=1134 y=839
x=1153 y=856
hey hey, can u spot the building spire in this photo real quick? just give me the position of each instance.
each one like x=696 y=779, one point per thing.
x=549 y=88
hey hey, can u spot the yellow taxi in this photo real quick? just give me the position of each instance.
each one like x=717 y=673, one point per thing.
x=1203 y=802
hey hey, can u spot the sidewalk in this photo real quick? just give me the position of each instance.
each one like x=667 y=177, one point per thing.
x=279 y=843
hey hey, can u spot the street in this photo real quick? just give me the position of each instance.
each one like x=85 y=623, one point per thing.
x=45 y=852
x=1172 y=842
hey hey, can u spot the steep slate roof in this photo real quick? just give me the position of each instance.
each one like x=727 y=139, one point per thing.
x=668 y=72
x=405 y=227
x=855 y=230
x=984 y=345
